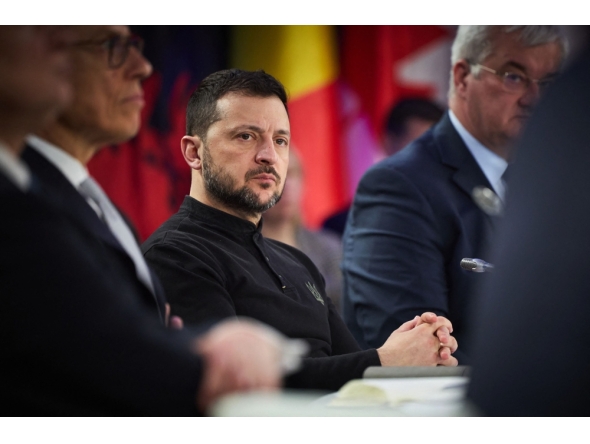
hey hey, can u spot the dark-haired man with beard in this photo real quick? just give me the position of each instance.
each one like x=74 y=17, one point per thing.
x=214 y=262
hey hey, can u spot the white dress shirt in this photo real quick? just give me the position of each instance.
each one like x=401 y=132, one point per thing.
x=492 y=165
x=71 y=168
x=14 y=169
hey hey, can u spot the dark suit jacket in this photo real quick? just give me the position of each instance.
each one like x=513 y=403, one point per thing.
x=76 y=338
x=413 y=220
x=75 y=207
x=532 y=353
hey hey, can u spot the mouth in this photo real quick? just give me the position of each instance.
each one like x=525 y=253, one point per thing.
x=137 y=99
x=265 y=178
x=265 y=175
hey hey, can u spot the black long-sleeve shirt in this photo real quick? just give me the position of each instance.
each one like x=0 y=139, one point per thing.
x=214 y=265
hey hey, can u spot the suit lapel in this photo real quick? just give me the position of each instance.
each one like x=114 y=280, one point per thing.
x=69 y=200
x=455 y=154
x=57 y=189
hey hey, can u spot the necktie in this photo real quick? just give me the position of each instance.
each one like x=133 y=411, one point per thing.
x=91 y=190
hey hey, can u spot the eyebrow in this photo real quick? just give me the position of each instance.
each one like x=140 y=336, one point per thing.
x=281 y=132
x=517 y=65
x=105 y=34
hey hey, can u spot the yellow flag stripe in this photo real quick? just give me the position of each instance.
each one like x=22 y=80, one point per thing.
x=303 y=58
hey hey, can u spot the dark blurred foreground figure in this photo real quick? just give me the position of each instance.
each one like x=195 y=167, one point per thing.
x=536 y=304
x=77 y=338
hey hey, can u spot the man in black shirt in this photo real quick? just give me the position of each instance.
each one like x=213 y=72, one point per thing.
x=214 y=262
x=78 y=339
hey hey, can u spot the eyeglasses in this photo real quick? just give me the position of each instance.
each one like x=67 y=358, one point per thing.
x=117 y=47
x=516 y=83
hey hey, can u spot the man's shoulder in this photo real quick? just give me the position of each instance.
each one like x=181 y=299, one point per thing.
x=25 y=208
x=185 y=239
x=33 y=226
x=420 y=161
x=422 y=152
x=43 y=169
x=178 y=229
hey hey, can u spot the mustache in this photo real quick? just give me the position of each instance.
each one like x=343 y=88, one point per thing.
x=264 y=169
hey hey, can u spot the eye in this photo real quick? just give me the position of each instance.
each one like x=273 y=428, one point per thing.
x=282 y=141
x=513 y=78
x=543 y=84
x=112 y=42
x=245 y=136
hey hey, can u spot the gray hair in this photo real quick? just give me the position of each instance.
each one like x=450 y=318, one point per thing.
x=474 y=43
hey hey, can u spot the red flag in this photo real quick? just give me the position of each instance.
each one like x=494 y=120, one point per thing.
x=380 y=65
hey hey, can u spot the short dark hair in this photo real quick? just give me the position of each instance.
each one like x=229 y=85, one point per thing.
x=407 y=108
x=201 y=111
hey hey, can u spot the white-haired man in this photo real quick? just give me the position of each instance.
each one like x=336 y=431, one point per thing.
x=414 y=216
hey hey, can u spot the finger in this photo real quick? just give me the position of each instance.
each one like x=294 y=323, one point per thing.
x=428 y=317
x=450 y=362
x=245 y=379
x=440 y=322
x=444 y=353
x=443 y=335
x=407 y=326
x=452 y=344
x=176 y=323
x=446 y=322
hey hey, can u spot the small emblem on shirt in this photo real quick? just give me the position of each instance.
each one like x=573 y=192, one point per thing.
x=314 y=291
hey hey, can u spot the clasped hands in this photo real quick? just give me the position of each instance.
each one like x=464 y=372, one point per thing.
x=424 y=341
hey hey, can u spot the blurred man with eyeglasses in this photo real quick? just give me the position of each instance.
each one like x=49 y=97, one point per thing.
x=81 y=316
x=108 y=69
x=414 y=216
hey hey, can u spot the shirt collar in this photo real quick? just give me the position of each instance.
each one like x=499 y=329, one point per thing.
x=219 y=218
x=69 y=166
x=492 y=165
x=14 y=169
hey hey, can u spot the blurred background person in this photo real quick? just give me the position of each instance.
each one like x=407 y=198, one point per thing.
x=283 y=222
x=407 y=120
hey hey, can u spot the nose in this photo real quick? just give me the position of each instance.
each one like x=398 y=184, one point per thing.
x=137 y=65
x=267 y=154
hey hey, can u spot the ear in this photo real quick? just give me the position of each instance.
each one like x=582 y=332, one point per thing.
x=461 y=70
x=192 y=150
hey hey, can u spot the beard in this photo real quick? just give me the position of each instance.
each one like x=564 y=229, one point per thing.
x=222 y=187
